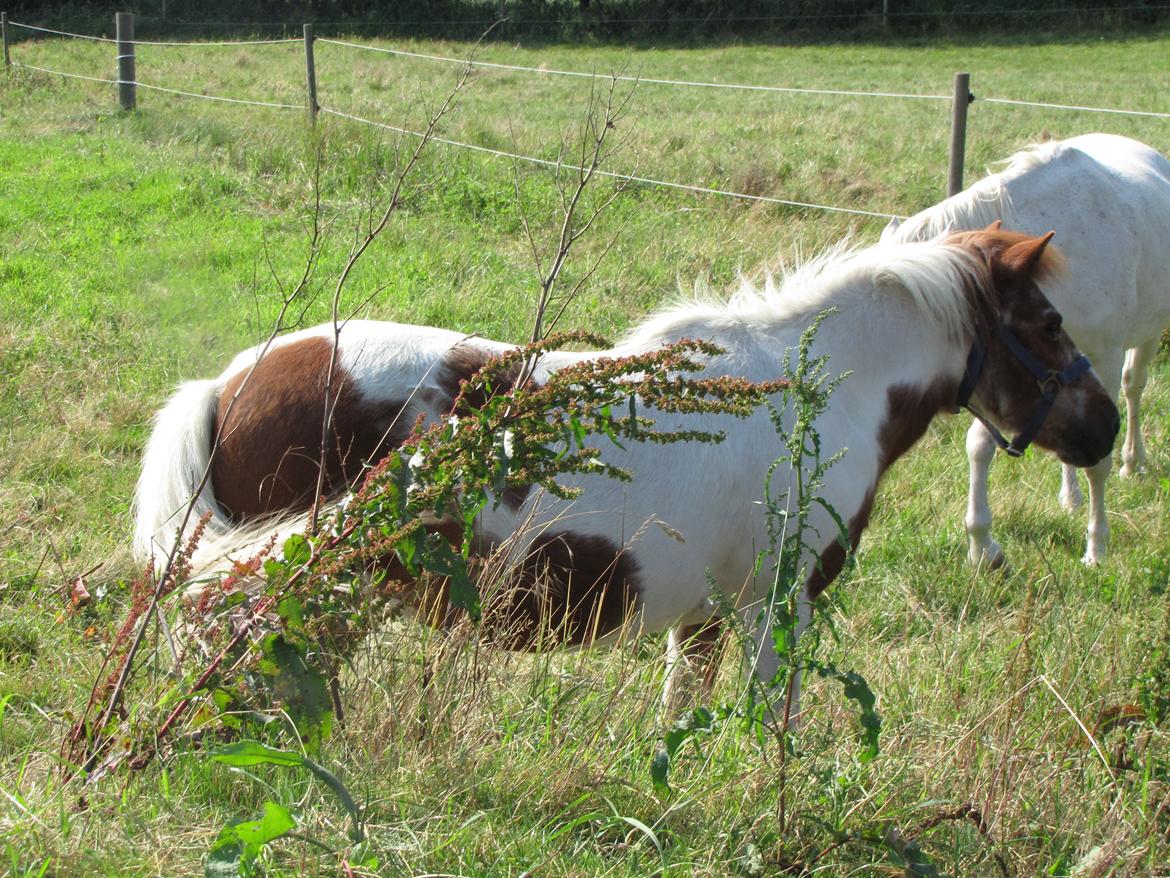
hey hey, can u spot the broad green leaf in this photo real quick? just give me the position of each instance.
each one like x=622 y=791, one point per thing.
x=297 y=550
x=255 y=753
x=697 y=721
x=291 y=611
x=659 y=769
x=239 y=843
x=299 y=687
x=271 y=825
x=857 y=689
x=442 y=560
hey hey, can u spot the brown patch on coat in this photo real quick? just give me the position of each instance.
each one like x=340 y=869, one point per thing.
x=460 y=364
x=832 y=559
x=269 y=437
x=1083 y=422
x=1018 y=252
x=909 y=411
x=430 y=598
x=571 y=589
x=514 y=497
x=1008 y=258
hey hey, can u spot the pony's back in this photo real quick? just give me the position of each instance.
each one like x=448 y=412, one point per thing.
x=1108 y=200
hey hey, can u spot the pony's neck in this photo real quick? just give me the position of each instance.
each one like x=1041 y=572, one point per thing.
x=903 y=372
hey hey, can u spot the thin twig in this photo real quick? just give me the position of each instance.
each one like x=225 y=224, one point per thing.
x=361 y=245
x=1089 y=735
x=114 y=696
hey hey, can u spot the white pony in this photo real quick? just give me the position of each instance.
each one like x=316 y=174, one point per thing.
x=907 y=316
x=1108 y=198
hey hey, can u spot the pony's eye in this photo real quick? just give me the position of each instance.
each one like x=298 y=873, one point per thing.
x=1052 y=329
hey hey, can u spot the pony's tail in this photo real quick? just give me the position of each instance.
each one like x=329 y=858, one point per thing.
x=176 y=458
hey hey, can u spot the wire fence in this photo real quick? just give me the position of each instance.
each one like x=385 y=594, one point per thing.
x=127 y=81
x=641 y=80
x=713 y=18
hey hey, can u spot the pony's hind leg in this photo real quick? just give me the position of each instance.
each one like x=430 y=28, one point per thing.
x=1133 y=382
x=692 y=663
x=982 y=550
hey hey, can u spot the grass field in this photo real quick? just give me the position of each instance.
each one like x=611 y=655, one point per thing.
x=137 y=250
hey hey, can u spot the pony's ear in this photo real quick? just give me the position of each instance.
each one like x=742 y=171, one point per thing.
x=1026 y=256
x=995 y=226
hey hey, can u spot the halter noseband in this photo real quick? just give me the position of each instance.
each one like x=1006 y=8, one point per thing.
x=1051 y=382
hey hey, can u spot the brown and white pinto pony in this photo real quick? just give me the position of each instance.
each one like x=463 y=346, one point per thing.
x=907 y=318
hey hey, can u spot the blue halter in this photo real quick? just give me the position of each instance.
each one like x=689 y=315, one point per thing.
x=1051 y=381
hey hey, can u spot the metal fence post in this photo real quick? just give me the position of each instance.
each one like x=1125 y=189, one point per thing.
x=124 y=33
x=959 y=104
x=4 y=31
x=311 y=74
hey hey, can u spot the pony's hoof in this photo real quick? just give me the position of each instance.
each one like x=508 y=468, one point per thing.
x=990 y=558
x=1130 y=471
x=1093 y=557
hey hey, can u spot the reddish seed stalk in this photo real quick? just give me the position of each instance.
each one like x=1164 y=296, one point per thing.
x=261 y=608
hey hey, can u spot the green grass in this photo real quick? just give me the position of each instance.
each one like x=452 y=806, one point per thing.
x=139 y=250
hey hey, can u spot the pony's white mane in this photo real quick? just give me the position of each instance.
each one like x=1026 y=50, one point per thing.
x=980 y=204
x=934 y=278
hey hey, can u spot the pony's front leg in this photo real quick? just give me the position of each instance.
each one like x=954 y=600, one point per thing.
x=1108 y=367
x=782 y=708
x=1098 y=534
x=1133 y=382
x=982 y=550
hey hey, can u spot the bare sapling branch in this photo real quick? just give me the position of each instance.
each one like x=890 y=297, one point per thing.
x=374 y=228
x=595 y=143
x=166 y=578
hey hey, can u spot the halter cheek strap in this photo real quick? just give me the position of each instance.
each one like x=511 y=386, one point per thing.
x=1051 y=382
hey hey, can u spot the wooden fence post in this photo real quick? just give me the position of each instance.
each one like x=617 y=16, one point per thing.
x=311 y=74
x=124 y=33
x=962 y=98
x=4 y=31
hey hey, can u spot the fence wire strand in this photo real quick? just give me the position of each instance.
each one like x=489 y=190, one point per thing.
x=1041 y=104
x=636 y=79
x=192 y=94
x=63 y=33
x=173 y=91
x=557 y=72
x=63 y=73
x=612 y=174
x=734 y=86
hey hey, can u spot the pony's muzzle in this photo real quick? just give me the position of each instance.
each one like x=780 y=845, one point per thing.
x=1093 y=442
